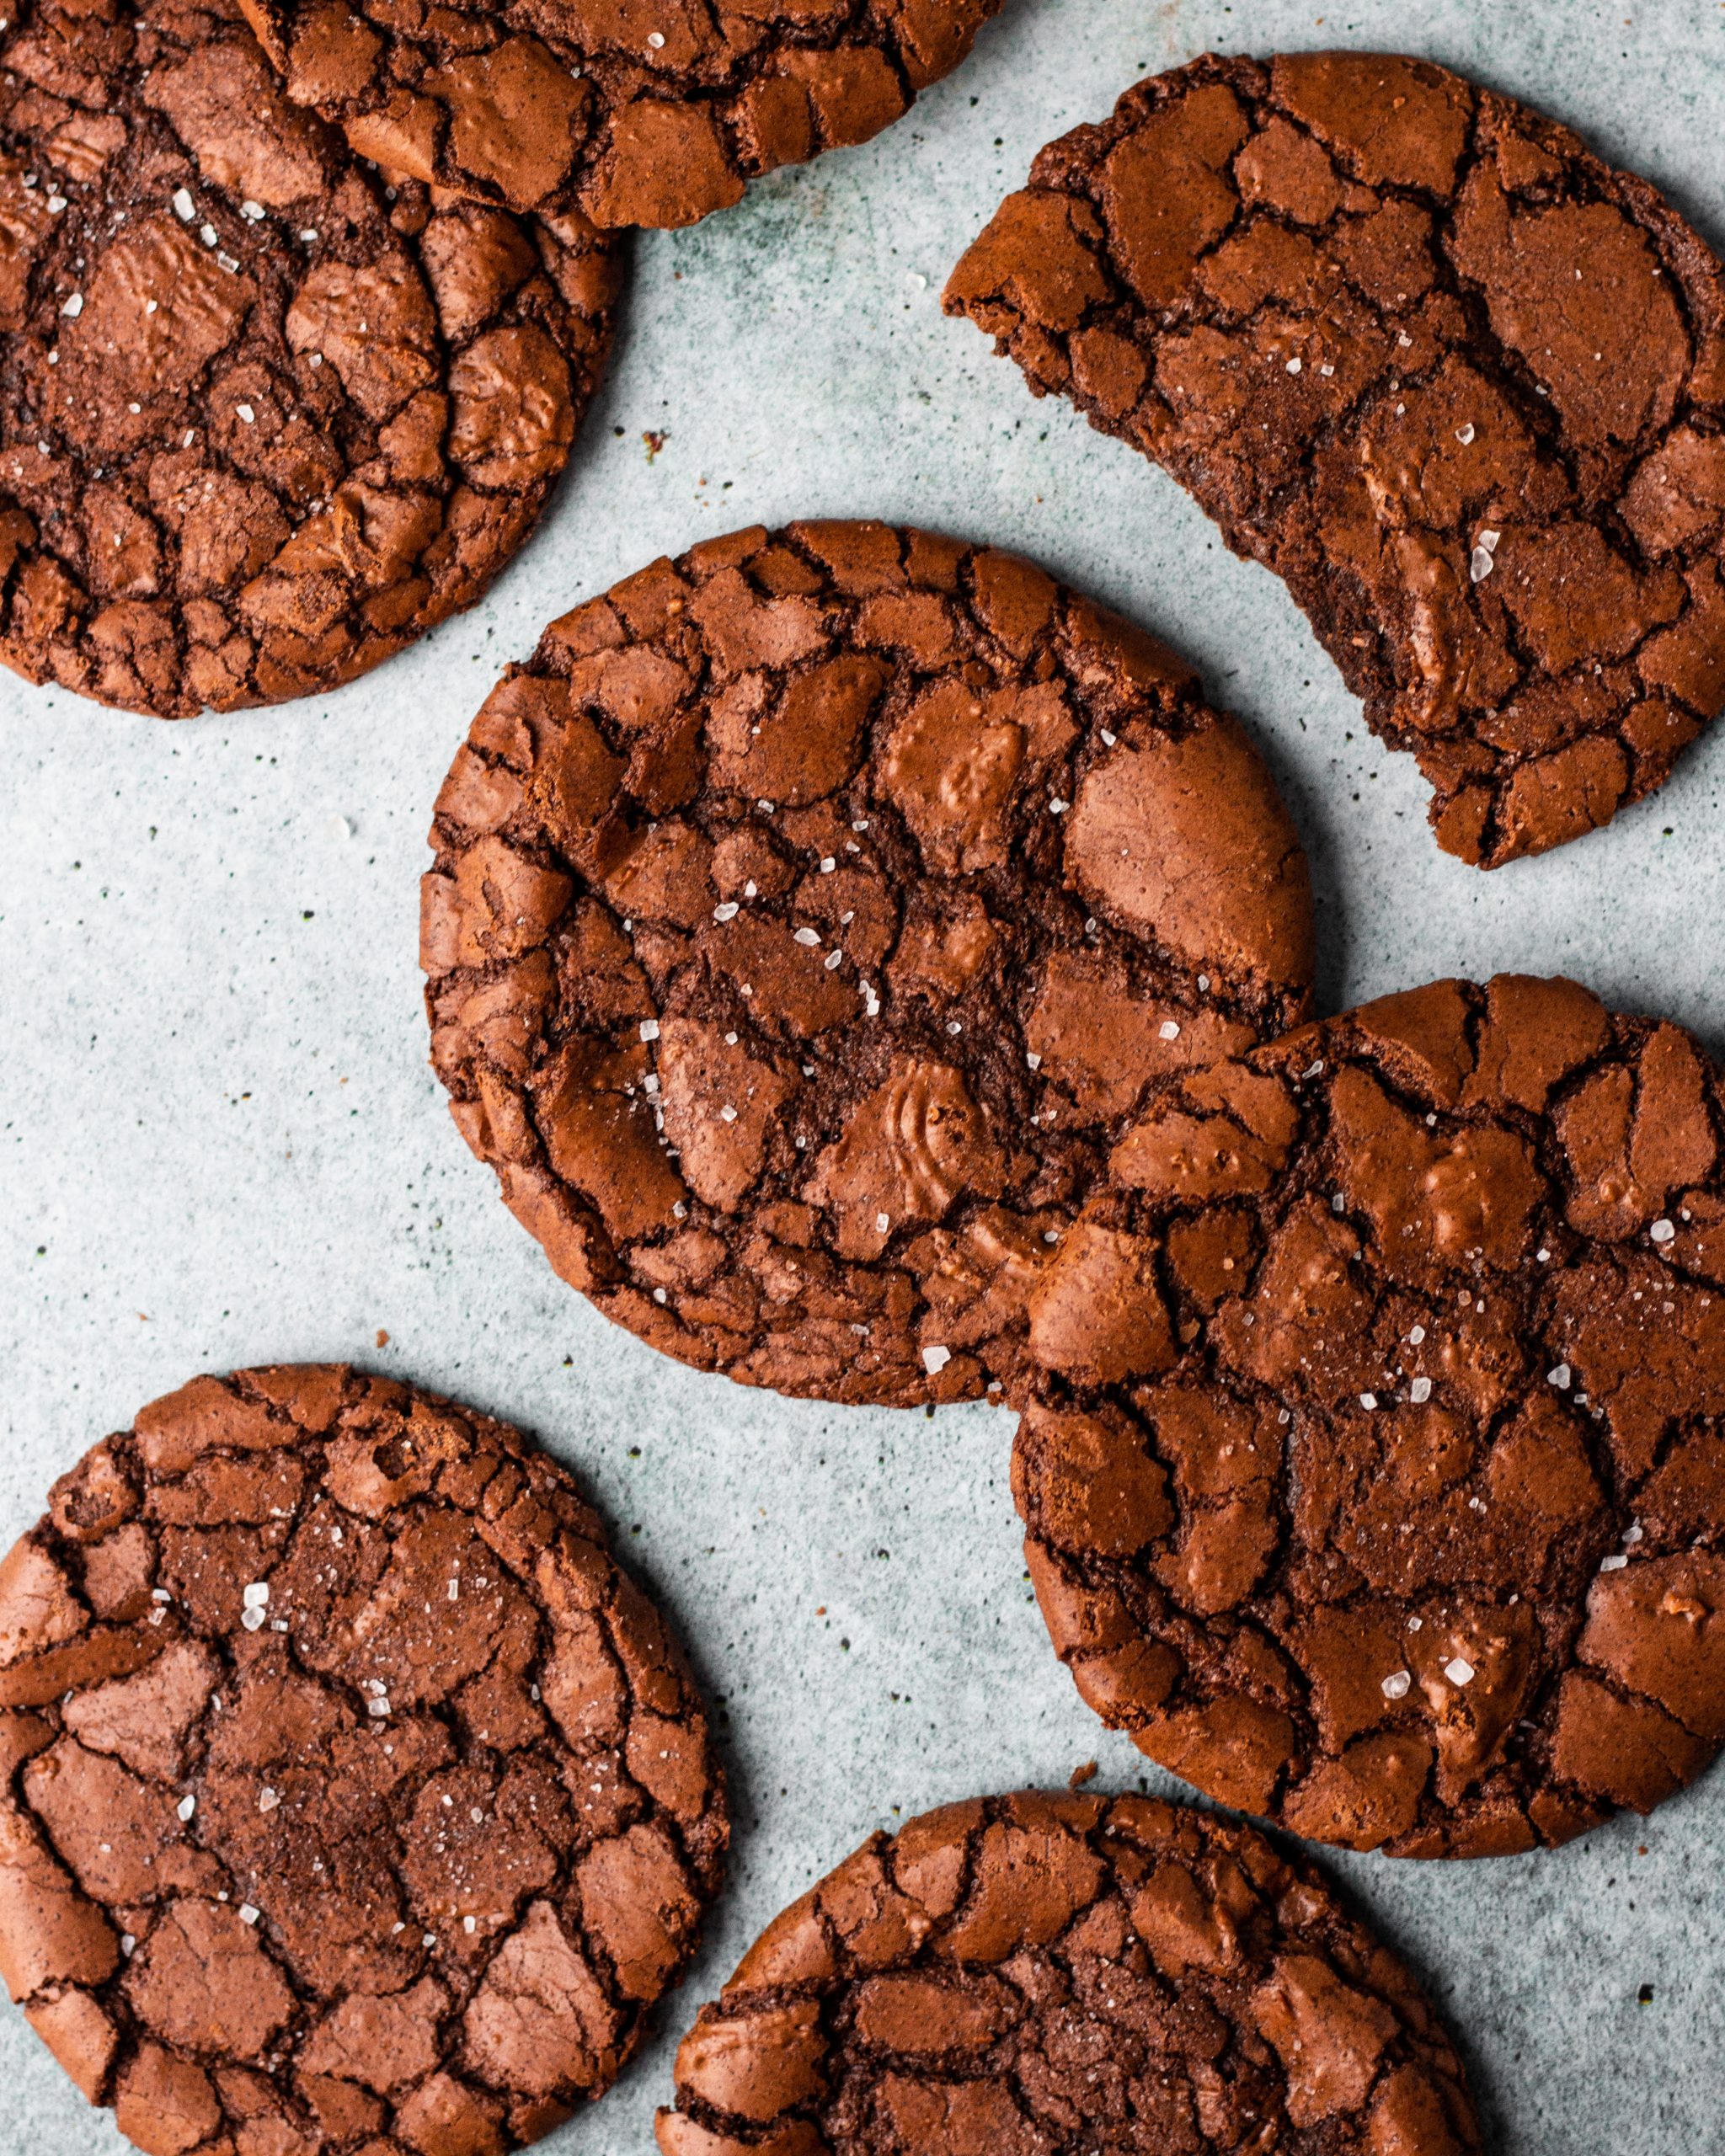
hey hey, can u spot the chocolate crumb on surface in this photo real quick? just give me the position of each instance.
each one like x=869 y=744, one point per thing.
x=641 y=115
x=1408 y=1530
x=1068 y=1976
x=807 y=917
x=355 y=1799
x=263 y=421
x=1457 y=381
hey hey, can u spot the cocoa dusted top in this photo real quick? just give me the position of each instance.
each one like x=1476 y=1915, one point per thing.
x=1068 y=1976
x=1393 y=1504
x=1458 y=382
x=808 y=915
x=640 y=112
x=261 y=423
x=350 y=1790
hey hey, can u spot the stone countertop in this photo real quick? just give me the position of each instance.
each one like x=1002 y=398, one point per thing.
x=221 y=1144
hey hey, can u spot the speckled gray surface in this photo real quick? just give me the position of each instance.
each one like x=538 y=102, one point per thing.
x=219 y=1142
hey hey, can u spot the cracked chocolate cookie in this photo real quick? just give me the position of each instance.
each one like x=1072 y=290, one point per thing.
x=354 y=1798
x=1392 y=1503
x=651 y=112
x=1458 y=383
x=808 y=917
x=262 y=420
x=1068 y=1976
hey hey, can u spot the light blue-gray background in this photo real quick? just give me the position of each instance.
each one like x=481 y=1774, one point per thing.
x=219 y=1142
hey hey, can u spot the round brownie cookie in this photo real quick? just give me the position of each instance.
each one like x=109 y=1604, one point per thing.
x=262 y=420
x=1068 y=1976
x=650 y=113
x=1456 y=382
x=808 y=917
x=1393 y=1504
x=354 y=1799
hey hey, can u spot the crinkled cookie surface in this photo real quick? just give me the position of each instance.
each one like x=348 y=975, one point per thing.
x=1068 y=1976
x=637 y=112
x=354 y=1799
x=1395 y=1509
x=262 y=421
x=1457 y=381
x=807 y=917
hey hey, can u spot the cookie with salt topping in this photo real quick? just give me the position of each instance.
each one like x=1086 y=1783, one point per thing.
x=264 y=419
x=354 y=1797
x=808 y=917
x=1407 y=1528
x=1068 y=1976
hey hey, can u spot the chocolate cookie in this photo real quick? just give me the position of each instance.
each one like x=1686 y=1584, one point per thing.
x=351 y=1790
x=1392 y=1504
x=263 y=421
x=651 y=114
x=808 y=917
x=1068 y=1976
x=1456 y=382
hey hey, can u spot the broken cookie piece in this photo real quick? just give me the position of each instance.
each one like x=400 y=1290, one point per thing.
x=1413 y=1539
x=808 y=917
x=1458 y=382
